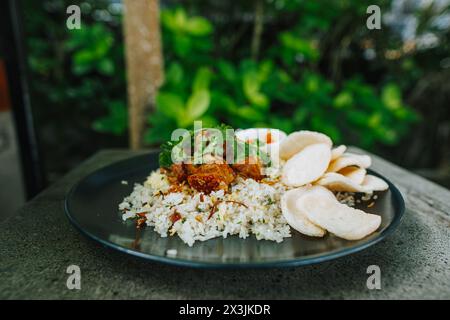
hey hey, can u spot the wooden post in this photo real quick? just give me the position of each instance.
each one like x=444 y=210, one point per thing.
x=144 y=62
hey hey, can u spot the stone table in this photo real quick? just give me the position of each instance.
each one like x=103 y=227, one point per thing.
x=38 y=244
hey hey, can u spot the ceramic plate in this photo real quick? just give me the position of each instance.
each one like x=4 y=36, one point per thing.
x=92 y=207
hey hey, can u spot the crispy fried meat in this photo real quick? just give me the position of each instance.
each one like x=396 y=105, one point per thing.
x=213 y=176
x=210 y=177
x=207 y=182
x=176 y=173
x=249 y=168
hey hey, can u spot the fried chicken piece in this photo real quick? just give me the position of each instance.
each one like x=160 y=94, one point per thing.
x=210 y=177
x=249 y=168
x=176 y=173
x=207 y=182
x=192 y=168
x=221 y=169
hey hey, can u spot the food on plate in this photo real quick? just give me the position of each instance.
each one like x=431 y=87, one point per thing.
x=355 y=174
x=265 y=136
x=349 y=159
x=337 y=152
x=338 y=182
x=306 y=166
x=322 y=208
x=250 y=167
x=210 y=181
x=255 y=182
x=297 y=141
x=267 y=139
x=294 y=215
x=374 y=183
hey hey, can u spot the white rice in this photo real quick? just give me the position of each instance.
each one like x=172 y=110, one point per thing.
x=255 y=209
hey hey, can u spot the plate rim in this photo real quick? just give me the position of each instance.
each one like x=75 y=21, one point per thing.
x=308 y=260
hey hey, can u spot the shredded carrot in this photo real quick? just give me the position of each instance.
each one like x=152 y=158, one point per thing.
x=214 y=207
x=237 y=202
x=269 y=137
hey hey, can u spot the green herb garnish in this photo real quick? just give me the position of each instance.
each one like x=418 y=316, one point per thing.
x=165 y=156
x=241 y=149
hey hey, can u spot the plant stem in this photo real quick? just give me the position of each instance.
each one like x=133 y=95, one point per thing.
x=257 y=29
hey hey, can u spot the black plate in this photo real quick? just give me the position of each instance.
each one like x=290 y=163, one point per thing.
x=92 y=206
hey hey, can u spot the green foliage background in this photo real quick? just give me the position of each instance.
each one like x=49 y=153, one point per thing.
x=311 y=71
x=284 y=88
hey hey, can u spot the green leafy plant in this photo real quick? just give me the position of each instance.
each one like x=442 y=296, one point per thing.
x=283 y=89
x=312 y=72
x=77 y=81
x=185 y=34
x=116 y=121
x=91 y=47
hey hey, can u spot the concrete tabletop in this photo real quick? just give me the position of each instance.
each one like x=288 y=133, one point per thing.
x=38 y=244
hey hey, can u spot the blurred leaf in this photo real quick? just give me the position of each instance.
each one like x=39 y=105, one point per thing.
x=330 y=129
x=223 y=102
x=282 y=123
x=171 y=105
x=92 y=45
x=183 y=45
x=374 y=121
x=391 y=96
x=161 y=128
x=168 y=20
x=106 y=66
x=251 y=85
x=198 y=26
x=343 y=100
x=196 y=106
x=202 y=79
x=358 y=118
x=116 y=122
x=81 y=68
x=209 y=121
x=312 y=83
x=174 y=74
x=179 y=19
x=300 y=116
x=299 y=46
x=227 y=70
x=250 y=114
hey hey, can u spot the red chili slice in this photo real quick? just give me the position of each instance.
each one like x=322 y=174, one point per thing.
x=174 y=217
x=269 y=137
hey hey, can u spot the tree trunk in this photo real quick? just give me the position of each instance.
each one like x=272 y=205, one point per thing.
x=144 y=62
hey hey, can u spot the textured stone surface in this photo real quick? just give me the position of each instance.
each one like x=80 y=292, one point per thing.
x=38 y=244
